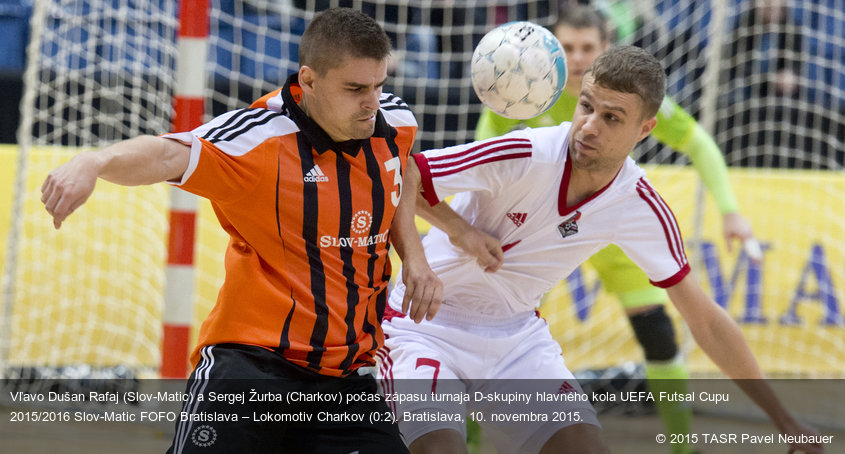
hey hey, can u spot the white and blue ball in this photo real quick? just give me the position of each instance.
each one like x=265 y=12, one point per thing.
x=518 y=70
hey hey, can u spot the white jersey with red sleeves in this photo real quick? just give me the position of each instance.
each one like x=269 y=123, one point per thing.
x=514 y=188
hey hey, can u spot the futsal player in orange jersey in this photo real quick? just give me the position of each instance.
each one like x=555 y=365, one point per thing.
x=306 y=183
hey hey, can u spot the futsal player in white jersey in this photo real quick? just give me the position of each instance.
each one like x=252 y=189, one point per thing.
x=528 y=208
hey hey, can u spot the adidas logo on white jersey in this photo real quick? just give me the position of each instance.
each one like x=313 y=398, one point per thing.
x=315 y=175
x=517 y=218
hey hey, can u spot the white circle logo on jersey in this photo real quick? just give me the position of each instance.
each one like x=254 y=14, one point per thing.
x=361 y=222
x=204 y=436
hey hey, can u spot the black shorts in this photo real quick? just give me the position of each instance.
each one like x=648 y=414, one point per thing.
x=248 y=399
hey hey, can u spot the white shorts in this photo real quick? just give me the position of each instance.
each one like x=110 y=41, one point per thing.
x=495 y=371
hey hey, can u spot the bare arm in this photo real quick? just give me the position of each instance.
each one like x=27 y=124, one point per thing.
x=720 y=337
x=422 y=286
x=138 y=161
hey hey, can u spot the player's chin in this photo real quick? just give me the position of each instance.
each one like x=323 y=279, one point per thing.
x=364 y=130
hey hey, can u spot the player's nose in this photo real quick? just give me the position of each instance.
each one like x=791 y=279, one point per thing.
x=590 y=126
x=371 y=101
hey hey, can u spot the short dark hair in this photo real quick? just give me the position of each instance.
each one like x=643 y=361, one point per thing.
x=583 y=16
x=338 y=33
x=630 y=69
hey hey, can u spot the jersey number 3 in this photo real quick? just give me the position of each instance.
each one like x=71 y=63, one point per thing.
x=394 y=165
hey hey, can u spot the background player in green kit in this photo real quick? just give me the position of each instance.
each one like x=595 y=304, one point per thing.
x=583 y=32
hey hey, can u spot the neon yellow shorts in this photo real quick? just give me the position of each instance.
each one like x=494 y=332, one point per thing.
x=621 y=277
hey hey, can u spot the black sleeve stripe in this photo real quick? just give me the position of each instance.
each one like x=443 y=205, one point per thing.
x=388 y=108
x=243 y=125
x=389 y=99
x=234 y=134
x=211 y=133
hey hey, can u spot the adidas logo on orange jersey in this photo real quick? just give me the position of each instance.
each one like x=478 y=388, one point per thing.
x=517 y=218
x=315 y=175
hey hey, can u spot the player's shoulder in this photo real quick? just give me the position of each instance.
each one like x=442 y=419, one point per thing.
x=238 y=131
x=631 y=179
x=533 y=153
x=548 y=144
x=631 y=172
x=396 y=111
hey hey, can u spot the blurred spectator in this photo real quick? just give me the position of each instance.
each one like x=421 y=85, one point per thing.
x=765 y=50
x=768 y=117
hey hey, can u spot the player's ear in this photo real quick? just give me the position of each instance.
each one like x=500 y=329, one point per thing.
x=306 y=79
x=647 y=126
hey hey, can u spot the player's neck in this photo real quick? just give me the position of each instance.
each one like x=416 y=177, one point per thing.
x=584 y=183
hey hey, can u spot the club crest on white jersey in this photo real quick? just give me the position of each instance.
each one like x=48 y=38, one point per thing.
x=569 y=227
x=315 y=175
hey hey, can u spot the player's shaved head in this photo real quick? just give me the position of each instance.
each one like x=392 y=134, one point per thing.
x=339 y=33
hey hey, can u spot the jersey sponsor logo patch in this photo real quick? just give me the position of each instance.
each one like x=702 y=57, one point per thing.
x=569 y=227
x=362 y=221
x=517 y=218
x=315 y=175
x=353 y=241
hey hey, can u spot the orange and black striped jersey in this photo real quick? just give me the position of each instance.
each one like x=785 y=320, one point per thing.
x=307 y=263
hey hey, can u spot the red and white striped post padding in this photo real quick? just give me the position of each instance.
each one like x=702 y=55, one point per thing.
x=188 y=105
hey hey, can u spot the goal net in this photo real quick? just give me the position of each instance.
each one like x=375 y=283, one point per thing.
x=89 y=296
x=86 y=300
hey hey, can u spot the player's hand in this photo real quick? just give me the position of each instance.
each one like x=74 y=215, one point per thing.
x=423 y=289
x=486 y=249
x=736 y=227
x=797 y=429
x=68 y=186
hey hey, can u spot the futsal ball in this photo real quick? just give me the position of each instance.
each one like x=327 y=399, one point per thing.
x=518 y=70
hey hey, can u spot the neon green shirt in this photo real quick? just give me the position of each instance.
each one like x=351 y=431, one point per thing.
x=675 y=128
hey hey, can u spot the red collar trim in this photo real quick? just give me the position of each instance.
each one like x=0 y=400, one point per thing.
x=562 y=208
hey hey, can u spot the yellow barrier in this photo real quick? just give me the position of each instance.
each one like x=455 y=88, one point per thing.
x=92 y=292
x=8 y=170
